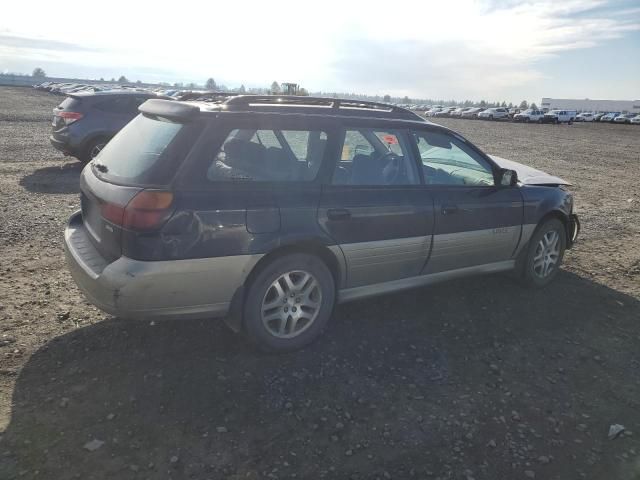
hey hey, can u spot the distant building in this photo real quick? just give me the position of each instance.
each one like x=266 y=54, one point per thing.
x=587 y=105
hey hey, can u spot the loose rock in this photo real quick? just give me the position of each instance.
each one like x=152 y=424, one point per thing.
x=93 y=445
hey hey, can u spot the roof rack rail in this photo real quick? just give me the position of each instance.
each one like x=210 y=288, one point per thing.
x=322 y=102
x=211 y=96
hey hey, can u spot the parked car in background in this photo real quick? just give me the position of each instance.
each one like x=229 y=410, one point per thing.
x=457 y=113
x=494 y=113
x=585 y=117
x=444 y=112
x=624 y=118
x=559 y=116
x=609 y=117
x=311 y=236
x=529 y=115
x=433 y=110
x=84 y=122
x=471 y=112
x=598 y=116
x=58 y=87
x=635 y=120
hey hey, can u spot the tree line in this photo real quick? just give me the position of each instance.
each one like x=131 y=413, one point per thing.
x=277 y=89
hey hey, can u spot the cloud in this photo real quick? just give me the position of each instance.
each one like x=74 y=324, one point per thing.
x=446 y=49
x=488 y=48
x=21 y=43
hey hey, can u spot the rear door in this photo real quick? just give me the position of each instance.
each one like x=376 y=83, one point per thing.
x=476 y=223
x=254 y=187
x=374 y=206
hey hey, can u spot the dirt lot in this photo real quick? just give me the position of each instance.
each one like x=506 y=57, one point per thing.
x=477 y=378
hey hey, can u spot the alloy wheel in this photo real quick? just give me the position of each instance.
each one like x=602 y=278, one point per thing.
x=547 y=254
x=291 y=304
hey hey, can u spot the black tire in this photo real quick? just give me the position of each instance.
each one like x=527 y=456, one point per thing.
x=89 y=151
x=527 y=259
x=260 y=287
x=540 y=121
x=490 y=117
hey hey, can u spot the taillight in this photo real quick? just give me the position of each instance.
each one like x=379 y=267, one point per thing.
x=69 y=117
x=147 y=210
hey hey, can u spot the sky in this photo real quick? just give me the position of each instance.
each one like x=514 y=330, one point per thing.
x=451 y=49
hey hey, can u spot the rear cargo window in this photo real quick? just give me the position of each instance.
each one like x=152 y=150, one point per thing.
x=147 y=151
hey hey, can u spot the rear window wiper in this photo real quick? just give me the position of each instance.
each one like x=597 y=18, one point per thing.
x=101 y=167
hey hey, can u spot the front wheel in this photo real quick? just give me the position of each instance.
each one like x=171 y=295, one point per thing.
x=289 y=303
x=542 y=259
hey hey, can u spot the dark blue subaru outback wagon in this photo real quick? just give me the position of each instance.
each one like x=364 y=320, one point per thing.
x=268 y=210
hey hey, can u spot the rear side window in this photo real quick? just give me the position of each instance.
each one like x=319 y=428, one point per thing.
x=124 y=105
x=146 y=151
x=268 y=156
x=69 y=104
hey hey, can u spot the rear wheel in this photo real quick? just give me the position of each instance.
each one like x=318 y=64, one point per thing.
x=289 y=303
x=93 y=148
x=541 y=260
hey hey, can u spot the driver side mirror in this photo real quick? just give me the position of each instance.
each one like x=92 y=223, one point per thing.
x=507 y=178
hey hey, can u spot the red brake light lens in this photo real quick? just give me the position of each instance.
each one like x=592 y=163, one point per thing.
x=70 y=117
x=147 y=210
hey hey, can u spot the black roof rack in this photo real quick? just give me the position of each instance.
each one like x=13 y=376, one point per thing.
x=337 y=105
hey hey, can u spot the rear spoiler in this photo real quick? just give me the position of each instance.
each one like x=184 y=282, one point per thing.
x=170 y=109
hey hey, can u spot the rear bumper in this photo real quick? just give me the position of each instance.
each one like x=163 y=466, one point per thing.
x=64 y=144
x=60 y=145
x=195 y=288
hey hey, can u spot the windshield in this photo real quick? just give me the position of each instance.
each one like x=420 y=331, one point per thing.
x=147 y=151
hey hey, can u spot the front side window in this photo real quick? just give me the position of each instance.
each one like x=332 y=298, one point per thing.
x=447 y=160
x=268 y=156
x=375 y=157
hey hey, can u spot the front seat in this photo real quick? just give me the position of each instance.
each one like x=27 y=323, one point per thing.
x=366 y=171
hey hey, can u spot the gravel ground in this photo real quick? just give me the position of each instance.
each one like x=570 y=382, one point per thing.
x=477 y=378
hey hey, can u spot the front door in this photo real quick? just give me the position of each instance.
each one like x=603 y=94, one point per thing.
x=375 y=208
x=476 y=222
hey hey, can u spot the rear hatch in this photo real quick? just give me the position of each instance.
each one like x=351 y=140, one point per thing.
x=68 y=112
x=125 y=190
